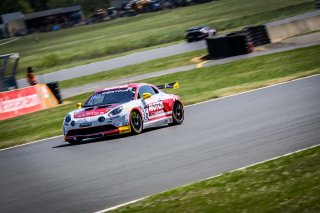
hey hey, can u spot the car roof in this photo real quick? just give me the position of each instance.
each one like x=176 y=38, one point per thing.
x=122 y=86
x=197 y=28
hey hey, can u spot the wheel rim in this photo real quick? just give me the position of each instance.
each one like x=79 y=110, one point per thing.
x=178 y=112
x=136 y=121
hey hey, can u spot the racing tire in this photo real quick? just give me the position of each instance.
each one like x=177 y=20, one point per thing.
x=136 y=122
x=177 y=113
x=74 y=142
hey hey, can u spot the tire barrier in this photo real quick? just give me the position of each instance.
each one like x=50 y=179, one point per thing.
x=232 y=45
x=317 y=4
x=54 y=87
x=258 y=35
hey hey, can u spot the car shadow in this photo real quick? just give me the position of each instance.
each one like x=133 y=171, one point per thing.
x=110 y=138
x=93 y=140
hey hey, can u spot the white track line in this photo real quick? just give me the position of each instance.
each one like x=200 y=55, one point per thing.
x=30 y=143
x=242 y=168
x=203 y=102
x=10 y=41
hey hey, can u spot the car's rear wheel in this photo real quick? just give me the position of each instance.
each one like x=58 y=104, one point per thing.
x=177 y=113
x=74 y=142
x=136 y=122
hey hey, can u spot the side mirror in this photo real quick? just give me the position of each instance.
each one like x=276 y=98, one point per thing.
x=146 y=95
x=79 y=105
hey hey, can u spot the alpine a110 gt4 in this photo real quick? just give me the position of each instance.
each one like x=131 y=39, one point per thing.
x=123 y=109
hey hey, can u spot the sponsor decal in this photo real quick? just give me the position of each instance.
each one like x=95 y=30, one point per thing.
x=19 y=103
x=26 y=100
x=155 y=108
x=90 y=113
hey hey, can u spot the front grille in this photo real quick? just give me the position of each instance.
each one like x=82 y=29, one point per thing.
x=91 y=130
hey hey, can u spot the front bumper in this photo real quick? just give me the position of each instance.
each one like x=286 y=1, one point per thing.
x=97 y=131
x=90 y=127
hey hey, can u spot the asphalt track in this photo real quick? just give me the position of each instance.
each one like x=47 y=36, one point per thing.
x=216 y=137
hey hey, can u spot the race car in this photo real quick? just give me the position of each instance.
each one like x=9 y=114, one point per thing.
x=199 y=33
x=123 y=109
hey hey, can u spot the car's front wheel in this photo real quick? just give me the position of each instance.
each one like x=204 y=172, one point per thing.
x=136 y=122
x=190 y=39
x=177 y=113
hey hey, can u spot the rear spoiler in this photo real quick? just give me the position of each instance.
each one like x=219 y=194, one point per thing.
x=174 y=85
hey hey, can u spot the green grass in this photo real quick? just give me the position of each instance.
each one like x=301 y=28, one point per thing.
x=195 y=85
x=48 y=52
x=287 y=184
x=136 y=69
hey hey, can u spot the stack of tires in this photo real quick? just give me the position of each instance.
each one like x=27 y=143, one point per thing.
x=232 y=45
x=54 y=87
x=238 y=43
x=258 y=35
x=317 y=4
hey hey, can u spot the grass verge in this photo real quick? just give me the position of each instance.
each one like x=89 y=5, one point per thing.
x=48 y=52
x=196 y=85
x=287 y=184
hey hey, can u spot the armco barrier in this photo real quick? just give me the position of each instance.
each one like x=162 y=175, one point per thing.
x=26 y=100
x=292 y=26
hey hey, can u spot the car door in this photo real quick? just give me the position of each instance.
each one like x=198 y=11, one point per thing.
x=153 y=106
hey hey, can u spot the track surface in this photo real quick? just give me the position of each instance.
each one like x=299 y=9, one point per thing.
x=216 y=137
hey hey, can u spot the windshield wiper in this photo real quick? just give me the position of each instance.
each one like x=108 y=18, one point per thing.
x=103 y=105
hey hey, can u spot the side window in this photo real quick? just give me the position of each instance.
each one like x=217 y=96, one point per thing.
x=144 y=89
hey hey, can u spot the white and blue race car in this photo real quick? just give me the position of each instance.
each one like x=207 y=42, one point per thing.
x=123 y=109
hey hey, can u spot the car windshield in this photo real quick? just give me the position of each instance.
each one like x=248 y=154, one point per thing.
x=195 y=28
x=113 y=96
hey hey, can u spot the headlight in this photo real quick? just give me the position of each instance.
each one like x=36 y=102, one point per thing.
x=115 y=111
x=67 y=119
x=73 y=123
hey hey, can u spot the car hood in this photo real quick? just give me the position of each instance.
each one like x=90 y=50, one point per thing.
x=93 y=111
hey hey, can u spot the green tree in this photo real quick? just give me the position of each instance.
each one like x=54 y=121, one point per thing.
x=38 y=5
x=9 y=6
